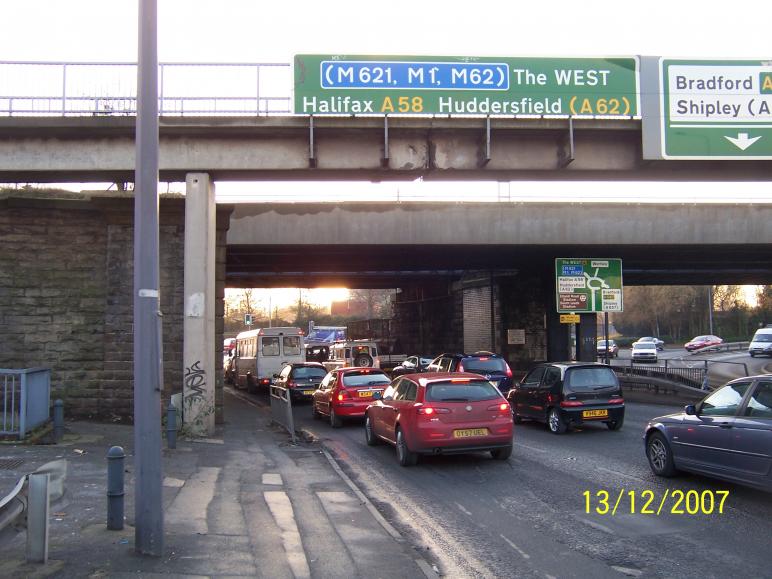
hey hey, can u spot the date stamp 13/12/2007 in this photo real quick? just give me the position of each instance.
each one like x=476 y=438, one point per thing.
x=648 y=502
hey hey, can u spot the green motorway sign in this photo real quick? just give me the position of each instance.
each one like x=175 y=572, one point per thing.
x=444 y=85
x=588 y=285
x=716 y=109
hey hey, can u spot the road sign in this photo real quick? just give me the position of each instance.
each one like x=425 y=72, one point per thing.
x=247 y=319
x=716 y=109
x=385 y=85
x=588 y=285
x=569 y=318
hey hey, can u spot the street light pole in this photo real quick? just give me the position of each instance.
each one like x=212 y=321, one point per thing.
x=710 y=309
x=148 y=371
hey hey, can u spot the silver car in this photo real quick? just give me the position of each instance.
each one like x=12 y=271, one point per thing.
x=728 y=435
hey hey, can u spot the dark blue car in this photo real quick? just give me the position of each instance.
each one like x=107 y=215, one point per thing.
x=728 y=435
x=487 y=364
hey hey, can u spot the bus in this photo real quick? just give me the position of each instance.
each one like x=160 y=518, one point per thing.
x=263 y=352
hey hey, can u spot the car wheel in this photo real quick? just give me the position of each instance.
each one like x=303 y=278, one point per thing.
x=660 y=456
x=251 y=386
x=555 y=422
x=615 y=424
x=404 y=455
x=363 y=361
x=517 y=418
x=753 y=355
x=502 y=453
x=370 y=437
x=335 y=420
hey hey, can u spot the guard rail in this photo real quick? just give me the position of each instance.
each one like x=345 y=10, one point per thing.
x=281 y=409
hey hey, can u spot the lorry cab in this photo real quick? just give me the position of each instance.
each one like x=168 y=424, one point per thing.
x=263 y=352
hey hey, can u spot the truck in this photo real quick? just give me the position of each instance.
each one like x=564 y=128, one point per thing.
x=380 y=331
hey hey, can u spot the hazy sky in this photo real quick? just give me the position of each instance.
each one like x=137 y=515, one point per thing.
x=258 y=31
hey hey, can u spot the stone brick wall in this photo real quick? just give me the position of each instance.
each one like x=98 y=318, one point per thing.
x=66 y=284
x=429 y=320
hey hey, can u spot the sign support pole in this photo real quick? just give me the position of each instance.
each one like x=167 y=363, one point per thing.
x=605 y=335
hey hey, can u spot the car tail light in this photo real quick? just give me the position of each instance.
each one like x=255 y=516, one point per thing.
x=291 y=384
x=570 y=403
x=431 y=410
x=508 y=370
x=460 y=367
x=265 y=381
x=343 y=395
x=617 y=401
x=460 y=380
x=503 y=407
x=483 y=359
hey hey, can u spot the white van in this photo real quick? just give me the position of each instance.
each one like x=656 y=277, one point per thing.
x=264 y=352
x=761 y=344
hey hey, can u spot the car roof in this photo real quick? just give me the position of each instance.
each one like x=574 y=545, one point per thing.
x=746 y=378
x=575 y=364
x=359 y=369
x=307 y=365
x=427 y=378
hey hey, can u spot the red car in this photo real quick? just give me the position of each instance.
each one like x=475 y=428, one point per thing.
x=347 y=392
x=702 y=342
x=441 y=413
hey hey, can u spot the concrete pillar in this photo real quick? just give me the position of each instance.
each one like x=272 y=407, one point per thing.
x=586 y=336
x=199 y=370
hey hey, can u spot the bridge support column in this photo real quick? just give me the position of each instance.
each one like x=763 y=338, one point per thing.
x=586 y=338
x=198 y=394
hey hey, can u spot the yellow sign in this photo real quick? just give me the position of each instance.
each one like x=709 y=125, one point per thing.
x=569 y=318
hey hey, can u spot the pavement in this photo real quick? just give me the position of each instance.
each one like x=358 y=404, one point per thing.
x=244 y=503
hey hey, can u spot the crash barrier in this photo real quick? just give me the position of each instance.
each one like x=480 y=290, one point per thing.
x=25 y=400
x=688 y=376
x=28 y=504
x=650 y=385
x=723 y=347
x=281 y=409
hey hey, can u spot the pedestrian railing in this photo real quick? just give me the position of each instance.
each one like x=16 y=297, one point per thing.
x=281 y=409
x=25 y=403
x=27 y=506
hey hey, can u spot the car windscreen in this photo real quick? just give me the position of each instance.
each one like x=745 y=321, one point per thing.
x=762 y=338
x=483 y=365
x=645 y=346
x=365 y=379
x=461 y=391
x=309 y=372
x=590 y=378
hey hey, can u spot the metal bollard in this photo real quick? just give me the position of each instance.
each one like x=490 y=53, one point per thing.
x=171 y=426
x=58 y=420
x=115 y=457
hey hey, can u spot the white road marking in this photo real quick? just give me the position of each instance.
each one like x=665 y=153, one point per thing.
x=463 y=510
x=272 y=478
x=281 y=509
x=173 y=482
x=627 y=571
x=523 y=554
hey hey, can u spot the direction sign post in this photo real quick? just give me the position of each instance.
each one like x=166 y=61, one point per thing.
x=587 y=285
x=716 y=109
x=444 y=85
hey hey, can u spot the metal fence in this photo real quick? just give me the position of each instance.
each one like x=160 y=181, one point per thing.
x=693 y=376
x=107 y=89
x=281 y=409
x=25 y=400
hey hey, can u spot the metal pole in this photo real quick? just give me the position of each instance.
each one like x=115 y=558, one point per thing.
x=171 y=426
x=605 y=335
x=58 y=419
x=115 y=486
x=148 y=507
x=710 y=309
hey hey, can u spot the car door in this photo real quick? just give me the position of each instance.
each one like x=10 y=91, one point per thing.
x=753 y=434
x=391 y=408
x=325 y=392
x=524 y=395
x=547 y=389
x=381 y=407
x=705 y=441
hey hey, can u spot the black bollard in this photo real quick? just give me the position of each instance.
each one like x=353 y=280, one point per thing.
x=171 y=426
x=115 y=458
x=58 y=420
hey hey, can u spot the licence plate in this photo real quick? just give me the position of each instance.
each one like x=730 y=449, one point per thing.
x=595 y=414
x=308 y=392
x=470 y=432
x=365 y=393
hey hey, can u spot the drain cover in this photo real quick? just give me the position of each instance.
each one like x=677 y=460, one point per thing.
x=10 y=463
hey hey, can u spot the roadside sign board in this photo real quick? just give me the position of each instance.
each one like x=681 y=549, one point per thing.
x=716 y=109
x=588 y=285
x=444 y=85
x=569 y=318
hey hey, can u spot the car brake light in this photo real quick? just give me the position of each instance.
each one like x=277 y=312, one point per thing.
x=483 y=359
x=617 y=401
x=504 y=407
x=460 y=367
x=508 y=370
x=343 y=395
x=458 y=380
x=570 y=403
x=291 y=384
x=430 y=410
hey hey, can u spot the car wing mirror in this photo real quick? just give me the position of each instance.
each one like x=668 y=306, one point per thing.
x=690 y=409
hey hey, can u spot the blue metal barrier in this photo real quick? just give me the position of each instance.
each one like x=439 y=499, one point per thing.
x=25 y=402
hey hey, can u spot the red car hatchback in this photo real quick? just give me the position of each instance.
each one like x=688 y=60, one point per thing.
x=347 y=392
x=441 y=413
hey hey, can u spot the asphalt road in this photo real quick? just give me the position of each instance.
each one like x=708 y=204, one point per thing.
x=526 y=517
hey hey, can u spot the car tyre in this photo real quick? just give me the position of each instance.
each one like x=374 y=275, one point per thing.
x=752 y=355
x=404 y=455
x=555 y=422
x=502 y=453
x=335 y=420
x=615 y=424
x=660 y=455
x=517 y=418
x=370 y=436
x=251 y=386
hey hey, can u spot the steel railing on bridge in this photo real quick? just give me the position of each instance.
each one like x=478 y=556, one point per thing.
x=25 y=402
x=107 y=89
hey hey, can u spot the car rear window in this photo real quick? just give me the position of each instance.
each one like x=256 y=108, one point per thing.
x=309 y=372
x=461 y=391
x=484 y=365
x=365 y=379
x=590 y=378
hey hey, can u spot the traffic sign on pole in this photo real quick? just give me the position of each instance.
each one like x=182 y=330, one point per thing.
x=716 y=109
x=588 y=285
